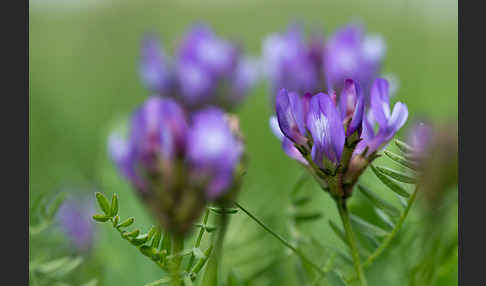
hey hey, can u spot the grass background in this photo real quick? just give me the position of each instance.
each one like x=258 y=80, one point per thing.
x=83 y=59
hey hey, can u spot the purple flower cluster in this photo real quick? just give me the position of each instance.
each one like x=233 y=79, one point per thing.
x=178 y=160
x=317 y=130
x=206 y=70
x=319 y=64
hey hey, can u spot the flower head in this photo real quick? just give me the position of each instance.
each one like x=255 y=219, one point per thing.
x=178 y=162
x=317 y=124
x=291 y=63
x=206 y=70
x=351 y=54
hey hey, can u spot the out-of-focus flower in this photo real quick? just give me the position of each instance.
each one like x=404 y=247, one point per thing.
x=178 y=163
x=349 y=53
x=291 y=63
x=319 y=65
x=380 y=114
x=206 y=70
x=434 y=151
x=154 y=67
x=75 y=219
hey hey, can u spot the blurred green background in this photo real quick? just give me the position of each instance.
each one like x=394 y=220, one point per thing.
x=83 y=78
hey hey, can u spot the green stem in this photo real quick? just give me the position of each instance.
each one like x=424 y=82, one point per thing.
x=198 y=240
x=282 y=240
x=177 y=247
x=344 y=213
x=388 y=239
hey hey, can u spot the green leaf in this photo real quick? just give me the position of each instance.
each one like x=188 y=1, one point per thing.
x=103 y=203
x=69 y=267
x=157 y=238
x=55 y=205
x=126 y=223
x=101 y=218
x=140 y=239
x=151 y=232
x=114 y=205
x=401 y=160
x=378 y=202
x=305 y=217
x=389 y=183
x=404 y=147
x=53 y=265
x=160 y=281
x=401 y=177
x=339 y=232
x=384 y=217
x=367 y=227
x=132 y=234
x=93 y=282
x=223 y=210
x=198 y=253
x=150 y=252
x=301 y=201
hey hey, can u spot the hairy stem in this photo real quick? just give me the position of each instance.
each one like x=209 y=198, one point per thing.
x=282 y=240
x=344 y=214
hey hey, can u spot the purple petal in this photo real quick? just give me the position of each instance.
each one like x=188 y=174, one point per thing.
x=213 y=150
x=289 y=149
x=153 y=68
x=290 y=115
x=273 y=122
x=325 y=125
x=398 y=118
x=379 y=103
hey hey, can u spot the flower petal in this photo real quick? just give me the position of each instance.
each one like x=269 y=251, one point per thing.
x=380 y=102
x=290 y=115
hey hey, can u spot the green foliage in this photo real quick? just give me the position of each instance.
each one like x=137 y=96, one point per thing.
x=43 y=268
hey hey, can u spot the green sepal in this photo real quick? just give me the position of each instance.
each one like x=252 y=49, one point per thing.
x=116 y=219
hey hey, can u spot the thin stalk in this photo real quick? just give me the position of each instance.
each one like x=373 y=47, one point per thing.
x=344 y=214
x=177 y=247
x=282 y=240
x=198 y=240
x=388 y=239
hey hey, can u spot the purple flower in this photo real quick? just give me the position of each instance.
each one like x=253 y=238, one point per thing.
x=158 y=135
x=316 y=124
x=74 y=217
x=154 y=70
x=213 y=150
x=351 y=54
x=291 y=63
x=380 y=114
x=211 y=70
x=420 y=138
x=178 y=162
